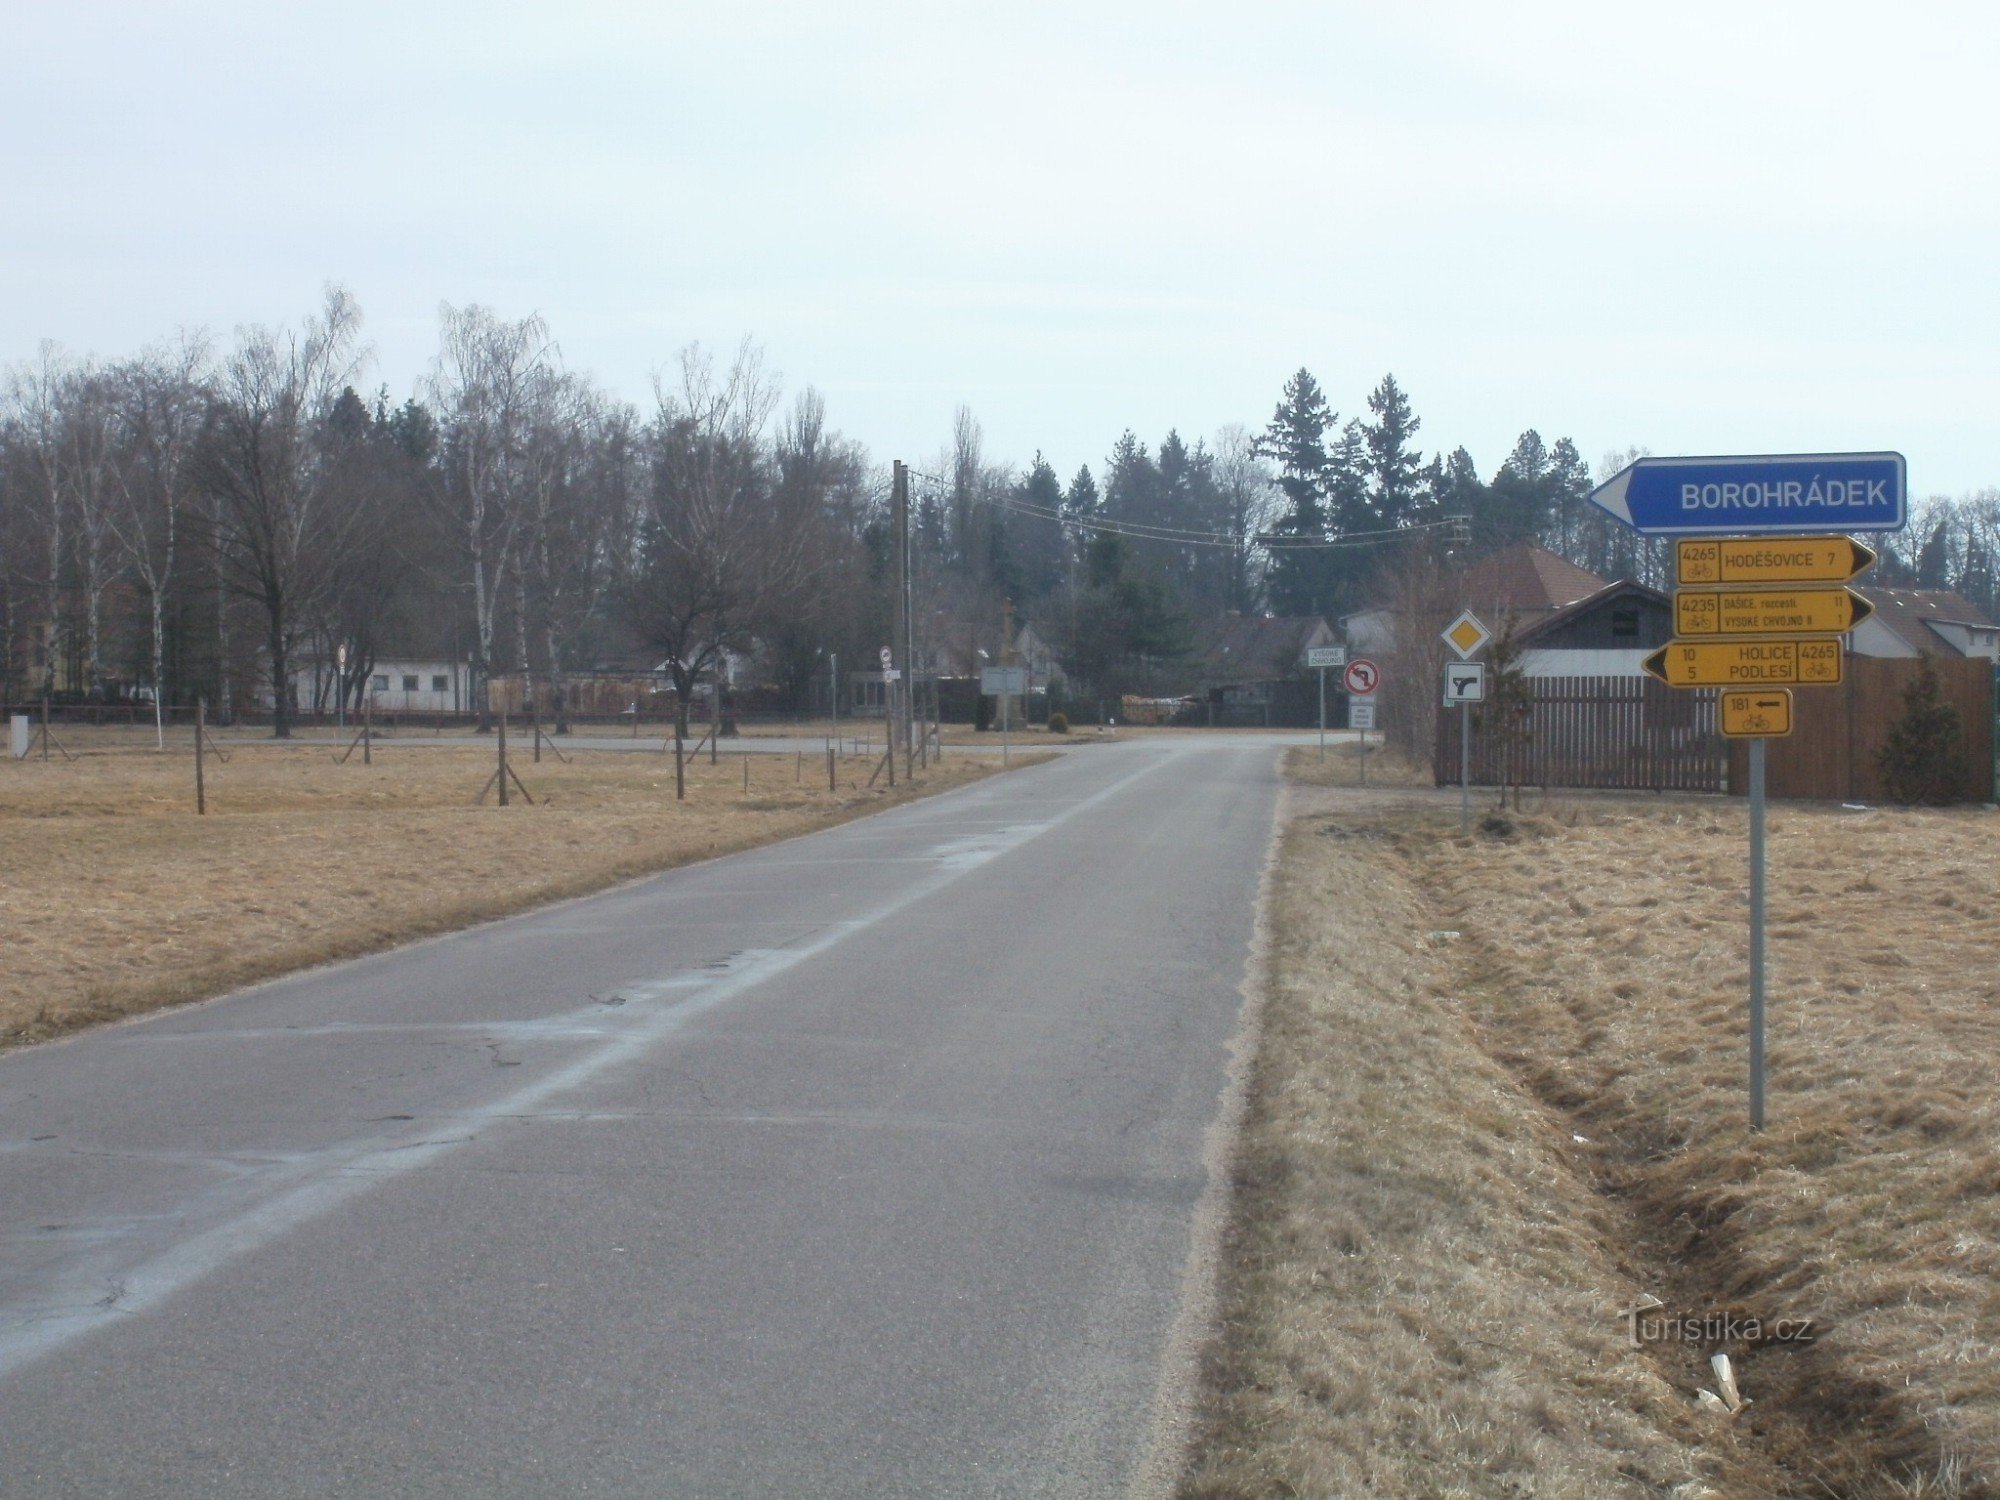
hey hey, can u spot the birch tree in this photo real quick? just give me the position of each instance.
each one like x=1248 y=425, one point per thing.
x=482 y=388
x=161 y=401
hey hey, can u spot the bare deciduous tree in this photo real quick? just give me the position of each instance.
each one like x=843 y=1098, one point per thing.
x=719 y=544
x=274 y=463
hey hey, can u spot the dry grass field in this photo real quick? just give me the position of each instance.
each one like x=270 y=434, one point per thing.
x=1502 y=1096
x=115 y=898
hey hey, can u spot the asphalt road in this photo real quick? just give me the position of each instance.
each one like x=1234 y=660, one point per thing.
x=865 y=1164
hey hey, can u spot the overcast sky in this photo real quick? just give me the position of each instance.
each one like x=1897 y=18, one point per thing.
x=1698 y=228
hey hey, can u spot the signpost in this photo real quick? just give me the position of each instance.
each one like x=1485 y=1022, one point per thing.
x=1764 y=714
x=1761 y=561
x=1003 y=683
x=1768 y=611
x=1465 y=685
x=1695 y=664
x=1740 y=621
x=1361 y=677
x=1320 y=658
x=1781 y=492
x=1466 y=634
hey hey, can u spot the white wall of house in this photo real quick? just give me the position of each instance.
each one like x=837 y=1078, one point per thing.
x=400 y=685
x=1968 y=640
x=1608 y=662
x=415 y=686
x=1872 y=638
x=1370 y=630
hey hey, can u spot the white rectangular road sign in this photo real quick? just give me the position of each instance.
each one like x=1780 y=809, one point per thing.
x=995 y=682
x=1464 y=682
x=1360 y=714
x=1326 y=656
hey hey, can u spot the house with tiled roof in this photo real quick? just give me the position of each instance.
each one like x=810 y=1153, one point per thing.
x=1607 y=633
x=1924 y=622
x=1523 y=583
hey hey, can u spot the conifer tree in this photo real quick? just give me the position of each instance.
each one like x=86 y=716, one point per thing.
x=1300 y=579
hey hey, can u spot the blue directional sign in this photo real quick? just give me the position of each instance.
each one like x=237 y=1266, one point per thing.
x=1780 y=492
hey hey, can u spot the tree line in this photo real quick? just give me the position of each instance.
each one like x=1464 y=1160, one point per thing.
x=194 y=520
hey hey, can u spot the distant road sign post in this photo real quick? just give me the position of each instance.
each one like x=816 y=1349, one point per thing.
x=1765 y=493
x=1320 y=658
x=1361 y=678
x=1003 y=683
x=1740 y=621
x=1464 y=682
x=1465 y=635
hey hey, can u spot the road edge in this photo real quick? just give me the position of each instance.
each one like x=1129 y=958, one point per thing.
x=1177 y=1398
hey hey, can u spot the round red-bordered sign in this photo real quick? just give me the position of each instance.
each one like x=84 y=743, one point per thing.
x=1362 y=677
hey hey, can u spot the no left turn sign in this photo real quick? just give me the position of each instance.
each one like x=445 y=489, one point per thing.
x=1362 y=677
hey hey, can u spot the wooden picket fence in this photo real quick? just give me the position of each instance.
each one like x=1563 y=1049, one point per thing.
x=1834 y=749
x=1622 y=733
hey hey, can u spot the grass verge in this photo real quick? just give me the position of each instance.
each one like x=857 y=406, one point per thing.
x=1501 y=1097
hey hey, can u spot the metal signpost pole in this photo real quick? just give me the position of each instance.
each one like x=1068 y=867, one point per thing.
x=1322 y=713
x=1734 y=628
x=1757 y=934
x=1464 y=768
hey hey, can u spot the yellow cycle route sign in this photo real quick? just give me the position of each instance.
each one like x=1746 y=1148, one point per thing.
x=1692 y=664
x=1770 y=559
x=1760 y=714
x=1768 y=611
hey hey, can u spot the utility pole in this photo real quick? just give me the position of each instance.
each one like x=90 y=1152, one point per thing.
x=1006 y=660
x=901 y=633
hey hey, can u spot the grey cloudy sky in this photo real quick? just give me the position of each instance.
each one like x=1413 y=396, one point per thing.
x=1697 y=227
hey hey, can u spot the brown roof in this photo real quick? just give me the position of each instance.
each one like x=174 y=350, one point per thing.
x=1905 y=610
x=1554 y=619
x=1524 y=580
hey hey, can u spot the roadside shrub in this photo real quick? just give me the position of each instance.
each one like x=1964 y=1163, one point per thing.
x=1922 y=762
x=1058 y=723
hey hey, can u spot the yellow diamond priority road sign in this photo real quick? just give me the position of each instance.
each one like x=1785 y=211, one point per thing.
x=1466 y=635
x=1768 y=611
x=1770 y=559
x=1762 y=714
x=1693 y=664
